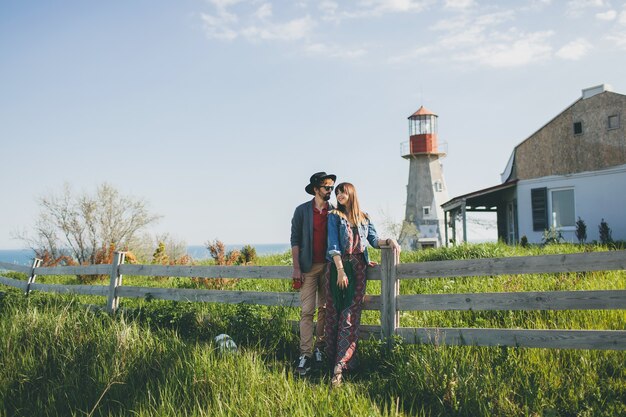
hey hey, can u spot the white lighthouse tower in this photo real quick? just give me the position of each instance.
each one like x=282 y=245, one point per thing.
x=427 y=189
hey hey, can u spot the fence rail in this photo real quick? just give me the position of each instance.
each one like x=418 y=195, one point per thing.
x=389 y=302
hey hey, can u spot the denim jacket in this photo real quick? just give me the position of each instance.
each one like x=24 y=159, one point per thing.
x=338 y=229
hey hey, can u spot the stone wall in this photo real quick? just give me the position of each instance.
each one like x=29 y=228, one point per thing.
x=556 y=150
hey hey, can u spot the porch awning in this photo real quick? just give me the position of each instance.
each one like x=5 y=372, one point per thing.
x=482 y=200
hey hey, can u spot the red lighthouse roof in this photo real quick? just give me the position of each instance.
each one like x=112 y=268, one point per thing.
x=422 y=111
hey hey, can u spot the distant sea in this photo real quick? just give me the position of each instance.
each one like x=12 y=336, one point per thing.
x=25 y=256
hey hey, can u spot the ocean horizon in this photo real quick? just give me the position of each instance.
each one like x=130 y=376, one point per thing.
x=25 y=256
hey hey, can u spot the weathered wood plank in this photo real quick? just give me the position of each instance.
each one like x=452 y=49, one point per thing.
x=288 y=299
x=370 y=331
x=256 y=272
x=269 y=272
x=575 y=262
x=558 y=339
x=71 y=289
x=374 y=273
x=100 y=269
x=552 y=300
x=389 y=317
x=15 y=267
x=372 y=302
x=16 y=283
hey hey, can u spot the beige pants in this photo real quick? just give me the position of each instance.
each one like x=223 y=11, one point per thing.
x=313 y=289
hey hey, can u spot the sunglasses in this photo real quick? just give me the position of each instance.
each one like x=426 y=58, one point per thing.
x=327 y=187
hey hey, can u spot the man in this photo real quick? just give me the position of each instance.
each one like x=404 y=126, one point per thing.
x=308 y=250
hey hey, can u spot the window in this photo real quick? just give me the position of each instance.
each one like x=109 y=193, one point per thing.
x=578 y=128
x=426 y=210
x=538 y=198
x=563 y=213
x=613 y=121
x=438 y=186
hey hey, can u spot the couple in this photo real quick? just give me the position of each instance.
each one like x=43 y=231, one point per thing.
x=328 y=247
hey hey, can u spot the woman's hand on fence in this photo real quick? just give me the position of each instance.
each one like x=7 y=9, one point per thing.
x=396 y=248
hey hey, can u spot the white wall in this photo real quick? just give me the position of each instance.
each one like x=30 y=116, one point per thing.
x=597 y=195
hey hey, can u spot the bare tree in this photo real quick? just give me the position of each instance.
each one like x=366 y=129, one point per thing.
x=77 y=226
x=404 y=231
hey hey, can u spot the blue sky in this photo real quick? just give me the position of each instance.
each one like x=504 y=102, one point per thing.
x=216 y=112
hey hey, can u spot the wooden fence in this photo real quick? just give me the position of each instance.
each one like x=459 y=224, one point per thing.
x=389 y=302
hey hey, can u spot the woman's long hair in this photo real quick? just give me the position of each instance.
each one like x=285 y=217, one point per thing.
x=352 y=210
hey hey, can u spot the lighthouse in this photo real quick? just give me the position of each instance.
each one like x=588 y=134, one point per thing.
x=426 y=190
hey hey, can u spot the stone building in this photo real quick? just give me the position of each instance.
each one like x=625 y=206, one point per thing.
x=572 y=167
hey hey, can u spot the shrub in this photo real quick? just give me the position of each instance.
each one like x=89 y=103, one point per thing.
x=524 y=241
x=605 y=233
x=581 y=231
x=247 y=256
x=551 y=236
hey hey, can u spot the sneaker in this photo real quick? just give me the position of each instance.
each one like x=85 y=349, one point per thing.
x=304 y=365
x=336 y=381
x=317 y=356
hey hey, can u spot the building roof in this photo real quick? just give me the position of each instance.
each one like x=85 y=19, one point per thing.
x=487 y=197
x=422 y=111
x=586 y=93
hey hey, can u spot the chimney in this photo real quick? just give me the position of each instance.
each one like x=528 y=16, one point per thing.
x=592 y=91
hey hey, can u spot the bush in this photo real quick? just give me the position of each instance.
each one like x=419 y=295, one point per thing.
x=605 y=233
x=581 y=231
x=247 y=256
x=551 y=236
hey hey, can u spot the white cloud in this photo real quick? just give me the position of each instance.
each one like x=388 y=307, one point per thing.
x=493 y=19
x=459 y=4
x=608 y=15
x=622 y=17
x=619 y=39
x=264 y=11
x=574 y=50
x=329 y=10
x=335 y=51
x=218 y=27
x=398 y=5
x=292 y=30
x=224 y=4
x=421 y=52
x=523 y=50
x=576 y=8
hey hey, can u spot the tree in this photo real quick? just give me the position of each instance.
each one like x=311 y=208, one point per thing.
x=247 y=256
x=78 y=227
x=581 y=231
x=404 y=231
x=160 y=256
x=605 y=233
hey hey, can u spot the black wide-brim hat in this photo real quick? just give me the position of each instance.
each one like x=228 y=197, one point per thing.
x=316 y=179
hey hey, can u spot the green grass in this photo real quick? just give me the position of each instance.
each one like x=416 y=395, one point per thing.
x=58 y=358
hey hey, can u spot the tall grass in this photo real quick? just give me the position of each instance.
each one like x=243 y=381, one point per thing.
x=58 y=358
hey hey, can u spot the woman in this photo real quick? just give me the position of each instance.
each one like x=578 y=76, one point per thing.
x=348 y=230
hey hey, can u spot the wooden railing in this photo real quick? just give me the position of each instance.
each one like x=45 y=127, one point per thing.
x=389 y=302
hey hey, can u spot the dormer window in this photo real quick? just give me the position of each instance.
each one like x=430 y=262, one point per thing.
x=578 y=128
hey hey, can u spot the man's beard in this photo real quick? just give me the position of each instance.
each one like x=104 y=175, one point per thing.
x=326 y=197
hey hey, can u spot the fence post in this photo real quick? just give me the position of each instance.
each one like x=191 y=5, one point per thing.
x=113 y=300
x=32 y=276
x=389 y=317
